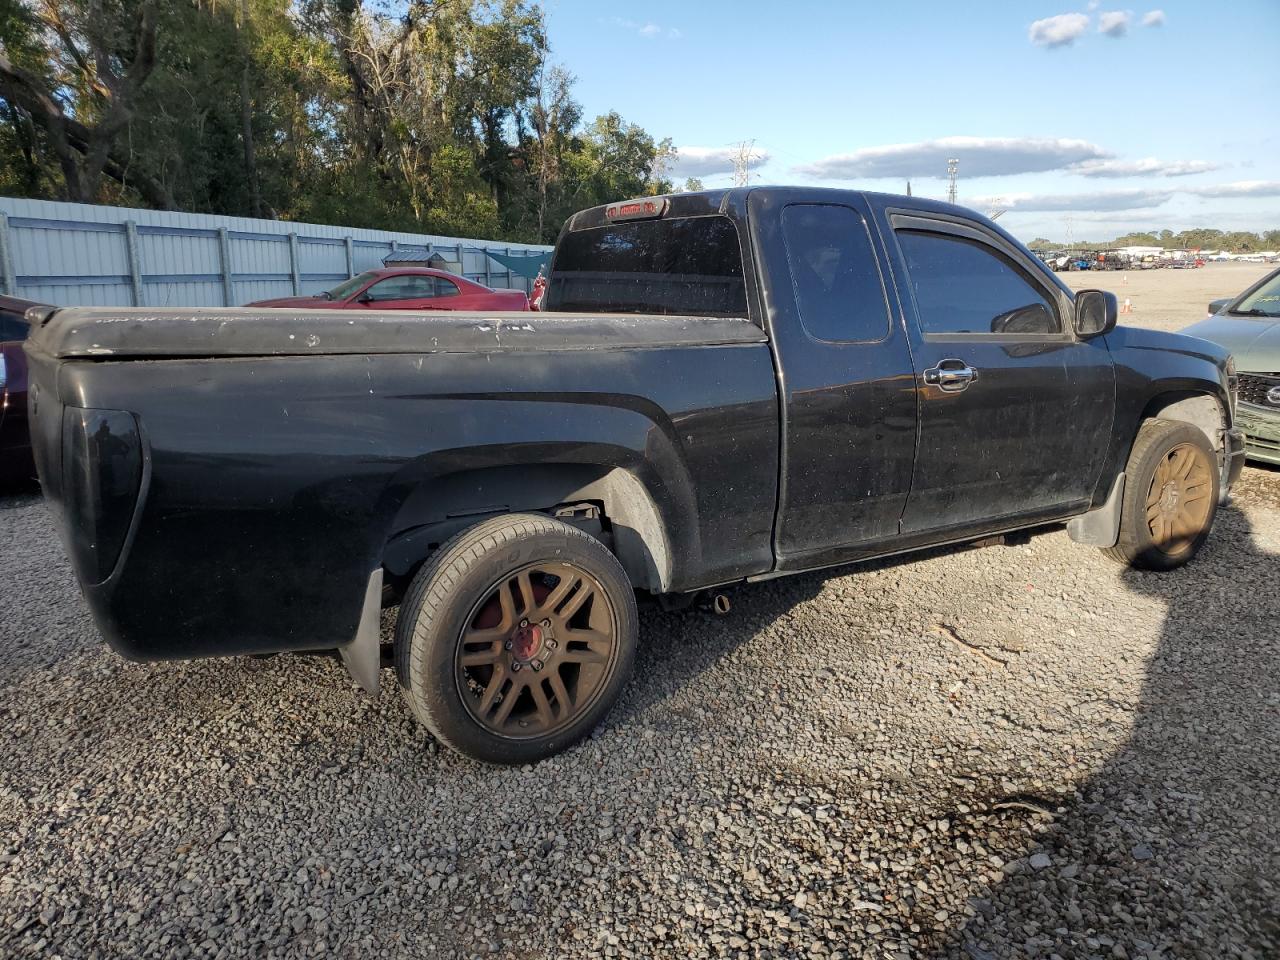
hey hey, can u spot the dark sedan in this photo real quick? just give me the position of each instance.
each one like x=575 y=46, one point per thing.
x=16 y=465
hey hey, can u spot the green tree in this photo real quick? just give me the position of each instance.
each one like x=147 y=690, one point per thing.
x=437 y=115
x=76 y=70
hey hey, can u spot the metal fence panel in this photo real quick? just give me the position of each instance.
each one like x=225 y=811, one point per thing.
x=80 y=254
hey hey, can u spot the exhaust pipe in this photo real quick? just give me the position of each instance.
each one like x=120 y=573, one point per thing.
x=720 y=604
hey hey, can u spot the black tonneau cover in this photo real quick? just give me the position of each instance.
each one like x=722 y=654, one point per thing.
x=136 y=332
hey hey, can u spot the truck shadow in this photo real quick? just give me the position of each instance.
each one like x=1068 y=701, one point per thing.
x=1172 y=847
x=677 y=647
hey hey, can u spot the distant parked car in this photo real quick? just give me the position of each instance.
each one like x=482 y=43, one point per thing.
x=406 y=288
x=1249 y=326
x=16 y=465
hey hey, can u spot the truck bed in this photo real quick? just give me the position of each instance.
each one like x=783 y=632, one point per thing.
x=228 y=479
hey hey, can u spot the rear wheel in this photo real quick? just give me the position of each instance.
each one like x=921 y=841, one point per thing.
x=516 y=638
x=1170 y=497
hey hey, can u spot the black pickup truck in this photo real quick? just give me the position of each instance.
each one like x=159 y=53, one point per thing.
x=725 y=386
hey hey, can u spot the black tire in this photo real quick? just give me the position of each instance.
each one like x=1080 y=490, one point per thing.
x=1139 y=545
x=494 y=562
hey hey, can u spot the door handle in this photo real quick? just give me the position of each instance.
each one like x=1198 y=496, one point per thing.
x=951 y=375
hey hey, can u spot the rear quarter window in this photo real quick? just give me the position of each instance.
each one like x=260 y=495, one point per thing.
x=834 y=273
x=684 y=266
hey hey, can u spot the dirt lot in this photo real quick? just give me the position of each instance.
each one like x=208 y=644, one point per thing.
x=986 y=754
x=1171 y=299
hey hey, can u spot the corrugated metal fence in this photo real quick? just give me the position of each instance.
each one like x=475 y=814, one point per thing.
x=75 y=254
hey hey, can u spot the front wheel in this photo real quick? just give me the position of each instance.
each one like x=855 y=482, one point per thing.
x=516 y=638
x=1170 y=497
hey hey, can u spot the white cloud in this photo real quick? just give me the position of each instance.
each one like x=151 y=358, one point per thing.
x=647 y=28
x=979 y=157
x=708 y=161
x=1059 y=31
x=1241 y=188
x=1150 y=167
x=1114 y=23
x=1083 y=202
x=1153 y=18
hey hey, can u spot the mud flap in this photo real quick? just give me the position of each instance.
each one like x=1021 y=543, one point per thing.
x=363 y=655
x=1100 y=527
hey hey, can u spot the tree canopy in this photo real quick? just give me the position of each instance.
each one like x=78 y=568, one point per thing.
x=442 y=116
x=1200 y=238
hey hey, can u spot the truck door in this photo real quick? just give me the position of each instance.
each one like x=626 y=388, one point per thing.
x=846 y=379
x=1015 y=412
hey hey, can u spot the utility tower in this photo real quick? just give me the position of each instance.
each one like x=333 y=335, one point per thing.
x=742 y=159
x=952 y=165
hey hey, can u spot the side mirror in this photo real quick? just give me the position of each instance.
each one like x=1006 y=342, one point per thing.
x=1216 y=306
x=1096 y=312
x=365 y=298
x=1033 y=318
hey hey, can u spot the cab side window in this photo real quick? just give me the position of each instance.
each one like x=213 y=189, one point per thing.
x=407 y=287
x=834 y=271
x=963 y=286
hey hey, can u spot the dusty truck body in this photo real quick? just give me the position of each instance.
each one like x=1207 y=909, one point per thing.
x=726 y=386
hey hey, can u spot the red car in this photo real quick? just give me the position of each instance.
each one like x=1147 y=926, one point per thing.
x=407 y=288
x=16 y=465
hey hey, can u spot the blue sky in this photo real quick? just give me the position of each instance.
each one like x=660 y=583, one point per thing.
x=1117 y=118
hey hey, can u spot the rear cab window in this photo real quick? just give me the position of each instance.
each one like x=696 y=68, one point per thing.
x=676 y=266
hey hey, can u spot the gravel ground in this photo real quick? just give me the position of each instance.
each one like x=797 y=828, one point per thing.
x=1007 y=752
x=990 y=754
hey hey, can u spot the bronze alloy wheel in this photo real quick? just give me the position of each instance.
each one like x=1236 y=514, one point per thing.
x=1180 y=498
x=536 y=650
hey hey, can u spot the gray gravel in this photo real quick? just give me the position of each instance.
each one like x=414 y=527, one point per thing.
x=1009 y=752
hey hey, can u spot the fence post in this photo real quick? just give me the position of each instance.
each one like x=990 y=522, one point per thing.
x=294 y=273
x=509 y=287
x=351 y=257
x=224 y=255
x=135 y=260
x=7 y=282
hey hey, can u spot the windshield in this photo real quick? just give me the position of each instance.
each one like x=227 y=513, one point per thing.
x=1265 y=301
x=348 y=287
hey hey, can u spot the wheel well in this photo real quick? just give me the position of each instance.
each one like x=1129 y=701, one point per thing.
x=1198 y=409
x=609 y=503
